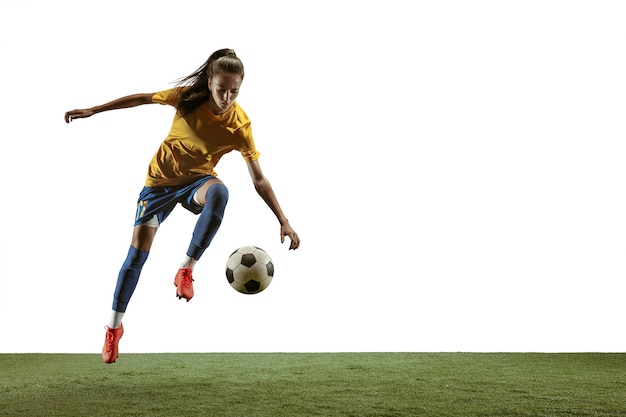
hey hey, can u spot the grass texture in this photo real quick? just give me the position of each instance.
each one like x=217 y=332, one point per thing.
x=314 y=384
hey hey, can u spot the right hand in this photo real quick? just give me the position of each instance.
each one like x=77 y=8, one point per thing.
x=78 y=114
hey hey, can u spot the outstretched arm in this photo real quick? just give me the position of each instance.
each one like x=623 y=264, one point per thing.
x=263 y=187
x=120 y=103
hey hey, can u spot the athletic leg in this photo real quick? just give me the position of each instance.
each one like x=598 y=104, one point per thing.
x=143 y=236
x=213 y=195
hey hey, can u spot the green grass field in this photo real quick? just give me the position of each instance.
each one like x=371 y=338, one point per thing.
x=314 y=384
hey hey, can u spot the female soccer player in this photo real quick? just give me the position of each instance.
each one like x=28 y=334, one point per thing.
x=208 y=123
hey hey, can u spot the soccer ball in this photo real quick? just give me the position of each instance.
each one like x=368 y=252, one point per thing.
x=249 y=270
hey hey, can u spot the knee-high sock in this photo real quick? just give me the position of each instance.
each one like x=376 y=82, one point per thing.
x=128 y=278
x=209 y=221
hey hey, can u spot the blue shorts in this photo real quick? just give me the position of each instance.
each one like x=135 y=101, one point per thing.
x=160 y=201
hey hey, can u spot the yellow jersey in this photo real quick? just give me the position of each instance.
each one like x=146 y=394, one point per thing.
x=196 y=142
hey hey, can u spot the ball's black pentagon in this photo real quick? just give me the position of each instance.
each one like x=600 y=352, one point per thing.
x=270 y=269
x=248 y=260
x=230 y=275
x=252 y=286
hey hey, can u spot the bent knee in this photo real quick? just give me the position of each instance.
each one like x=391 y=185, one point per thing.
x=217 y=192
x=216 y=198
x=143 y=236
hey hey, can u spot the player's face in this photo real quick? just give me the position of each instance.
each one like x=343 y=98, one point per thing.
x=224 y=90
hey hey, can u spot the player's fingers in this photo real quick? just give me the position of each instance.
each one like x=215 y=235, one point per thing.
x=71 y=115
x=295 y=241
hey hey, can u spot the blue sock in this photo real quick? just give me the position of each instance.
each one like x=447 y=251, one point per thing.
x=128 y=278
x=209 y=221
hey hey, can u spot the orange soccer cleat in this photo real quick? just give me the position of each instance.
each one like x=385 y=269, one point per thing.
x=184 y=284
x=110 y=351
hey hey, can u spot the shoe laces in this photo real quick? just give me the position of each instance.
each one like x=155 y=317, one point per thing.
x=110 y=340
x=186 y=278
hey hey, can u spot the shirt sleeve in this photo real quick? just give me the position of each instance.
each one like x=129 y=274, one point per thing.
x=166 y=97
x=248 y=148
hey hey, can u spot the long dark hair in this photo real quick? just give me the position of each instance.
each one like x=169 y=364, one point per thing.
x=193 y=90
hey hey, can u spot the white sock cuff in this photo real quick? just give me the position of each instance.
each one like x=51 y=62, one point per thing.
x=116 y=319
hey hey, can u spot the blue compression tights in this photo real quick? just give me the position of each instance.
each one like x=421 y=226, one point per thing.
x=209 y=221
x=128 y=277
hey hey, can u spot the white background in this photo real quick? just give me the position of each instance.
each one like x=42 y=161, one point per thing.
x=455 y=170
